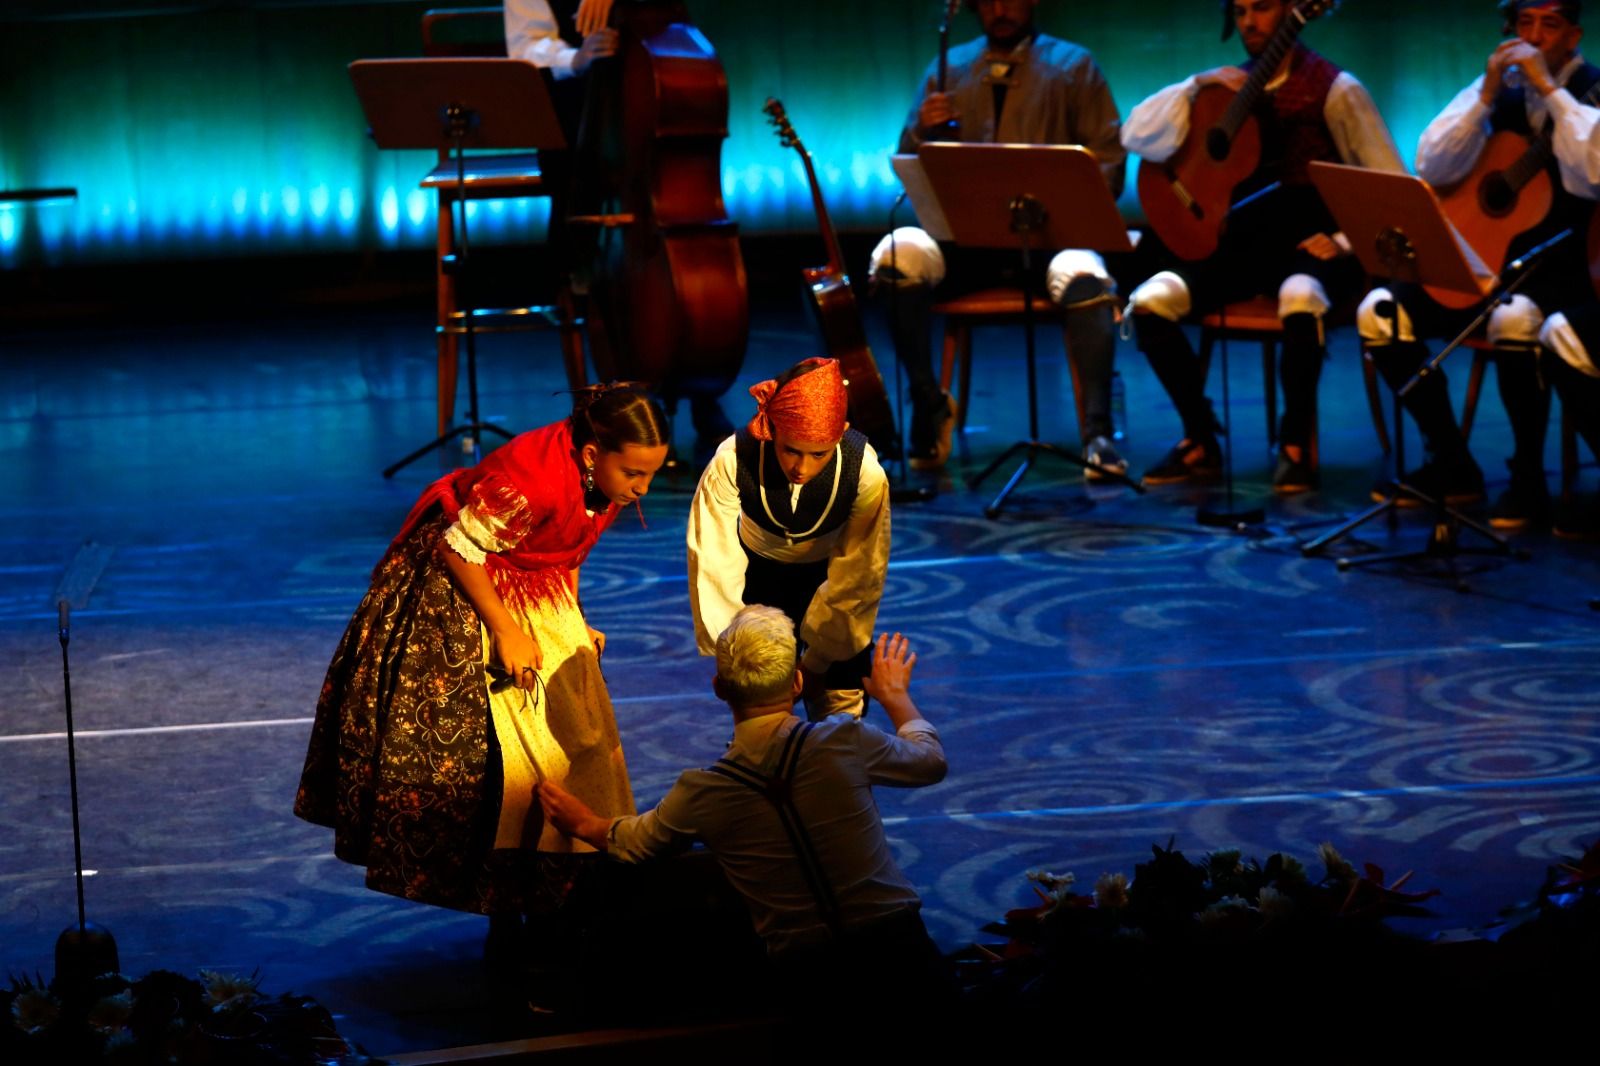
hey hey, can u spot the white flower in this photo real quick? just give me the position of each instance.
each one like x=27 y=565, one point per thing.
x=1111 y=891
x=226 y=991
x=1274 y=904
x=35 y=1009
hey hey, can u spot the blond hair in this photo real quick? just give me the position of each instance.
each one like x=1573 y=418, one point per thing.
x=756 y=656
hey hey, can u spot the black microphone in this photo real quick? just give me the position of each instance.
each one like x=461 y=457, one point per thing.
x=63 y=617
x=1526 y=258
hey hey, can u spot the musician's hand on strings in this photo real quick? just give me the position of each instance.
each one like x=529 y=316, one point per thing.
x=593 y=15
x=1322 y=246
x=518 y=654
x=935 y=111
x=1228 y=77
x=597 y=45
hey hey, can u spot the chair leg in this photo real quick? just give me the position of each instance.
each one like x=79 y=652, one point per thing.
x=964 y=353
x=572 y=342
x=1569 y=455
x=1469 y=406
x=1077 y=382
x=948 y=364
x=1369 y=375
x=448 y=366
x=1269 y=388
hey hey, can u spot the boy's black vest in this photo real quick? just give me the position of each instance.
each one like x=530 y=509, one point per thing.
x=796 y=522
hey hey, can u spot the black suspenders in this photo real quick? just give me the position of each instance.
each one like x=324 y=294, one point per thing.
x=778 y=791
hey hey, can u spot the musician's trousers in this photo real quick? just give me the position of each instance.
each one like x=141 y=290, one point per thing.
x=1257 y=253
x=1560 y=280
x=1090 y=328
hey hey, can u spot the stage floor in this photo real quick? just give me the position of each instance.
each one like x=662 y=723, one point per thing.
x=1106 y=673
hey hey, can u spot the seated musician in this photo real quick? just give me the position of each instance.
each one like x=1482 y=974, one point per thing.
x=1548 y=75
x=793 y=512
x=1281 y=243
x=1012 y=85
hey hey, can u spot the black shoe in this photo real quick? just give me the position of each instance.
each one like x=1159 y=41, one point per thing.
x=1577 y=519
x=1293 y=476
x=1456 y=484
x=1525 y=502
x=1187 y=461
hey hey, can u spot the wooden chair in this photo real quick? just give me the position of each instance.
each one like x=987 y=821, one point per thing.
x=480 y=31
x=1256 y=320
x=992 y=307
x=1483 y=350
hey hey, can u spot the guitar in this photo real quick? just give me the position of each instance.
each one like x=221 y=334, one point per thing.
x=1507 y=193
x=1187 y=198
x=838 y=318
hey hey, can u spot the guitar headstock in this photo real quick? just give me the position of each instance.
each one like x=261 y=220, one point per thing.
x=1308 y=10
x=779 y=120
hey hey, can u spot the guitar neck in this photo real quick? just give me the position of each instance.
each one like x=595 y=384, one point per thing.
x=1267 y=63
x=829 y=239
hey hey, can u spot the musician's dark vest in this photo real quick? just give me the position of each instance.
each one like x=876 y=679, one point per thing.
x=1294 y=128
x=1510 y=114
x=794 y=521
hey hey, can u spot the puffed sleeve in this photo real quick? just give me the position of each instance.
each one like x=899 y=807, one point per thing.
x=839 y=622
x=531 y=34
x=1360 y=135
x=716 y=558
x=495 y=518
x=1577 y=144
x=1156 y=128
x=1451 y=143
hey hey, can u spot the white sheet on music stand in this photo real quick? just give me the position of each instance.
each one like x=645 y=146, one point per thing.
x=926 y=205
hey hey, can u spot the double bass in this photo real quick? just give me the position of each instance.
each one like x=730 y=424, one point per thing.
x=669 y=302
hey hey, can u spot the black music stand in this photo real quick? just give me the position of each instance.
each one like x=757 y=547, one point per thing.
x=452 y=105
x=1023 y=196
x=1399 y=232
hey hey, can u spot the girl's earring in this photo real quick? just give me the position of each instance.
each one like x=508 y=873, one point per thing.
x=588 y=479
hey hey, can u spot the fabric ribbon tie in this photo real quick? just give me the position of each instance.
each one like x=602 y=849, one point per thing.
x=809 y=407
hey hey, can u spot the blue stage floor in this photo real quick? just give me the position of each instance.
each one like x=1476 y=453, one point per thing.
x=1106 y=673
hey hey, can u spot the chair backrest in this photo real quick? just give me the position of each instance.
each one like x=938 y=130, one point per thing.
x=464 y=31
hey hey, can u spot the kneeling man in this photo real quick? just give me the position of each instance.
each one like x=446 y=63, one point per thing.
x=788 y=812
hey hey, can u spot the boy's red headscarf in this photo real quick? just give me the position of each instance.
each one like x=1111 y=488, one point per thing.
x=809 y=407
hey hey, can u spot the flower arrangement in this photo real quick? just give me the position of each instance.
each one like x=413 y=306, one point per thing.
x=1273 y=949
x=1224 y=896
x=165 y=1017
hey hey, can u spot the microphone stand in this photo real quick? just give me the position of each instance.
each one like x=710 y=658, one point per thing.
x=1396 y=249
x=900 y=490
x=83 y=951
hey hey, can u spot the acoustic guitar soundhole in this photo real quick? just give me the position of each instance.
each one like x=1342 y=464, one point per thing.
x=1218 y=143
x=1495 y=195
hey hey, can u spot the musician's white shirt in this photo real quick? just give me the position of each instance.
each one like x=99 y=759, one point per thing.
x=1449 y=148
x=532 y=34
x=1159 y=125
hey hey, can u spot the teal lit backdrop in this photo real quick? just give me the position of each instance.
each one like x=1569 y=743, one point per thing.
x=197 y=129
